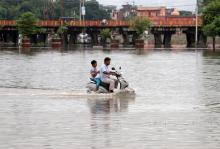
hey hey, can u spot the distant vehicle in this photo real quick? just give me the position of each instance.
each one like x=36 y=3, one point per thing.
x=67 y=18
x=104 y=22
x=83 y=38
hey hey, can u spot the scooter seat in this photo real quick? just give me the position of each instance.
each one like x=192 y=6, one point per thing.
x=105 y=85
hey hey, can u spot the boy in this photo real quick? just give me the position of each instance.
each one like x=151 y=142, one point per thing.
x=95 y=73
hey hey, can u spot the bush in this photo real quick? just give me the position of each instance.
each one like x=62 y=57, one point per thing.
x=27 y=24
x=105 y=33
x=140 y=25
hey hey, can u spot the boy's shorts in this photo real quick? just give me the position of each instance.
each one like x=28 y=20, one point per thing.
x=97 y=81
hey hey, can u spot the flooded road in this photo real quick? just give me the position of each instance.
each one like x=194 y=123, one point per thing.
x=177 y=103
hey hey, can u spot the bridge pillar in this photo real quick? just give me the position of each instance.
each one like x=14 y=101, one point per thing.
x=94 y=36
x=190 y=38
x=5 y=37
x=1 y=37
x=33 y=39
x=42 y=38
x=65 y=40
x=134 y=37
x=157 y=40
x=15 y=37
x=73 y=38
x=167 y=38
x=125 y=36
x=202 y=40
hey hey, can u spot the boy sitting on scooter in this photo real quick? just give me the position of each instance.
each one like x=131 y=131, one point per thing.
x=95 y=73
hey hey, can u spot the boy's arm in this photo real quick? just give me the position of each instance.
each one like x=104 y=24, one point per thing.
x=93 y=74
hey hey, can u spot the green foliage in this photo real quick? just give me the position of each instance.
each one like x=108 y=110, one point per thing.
x=105 y=33
x=211 y=11
x=27 y=24
x=47 y=9
x=94 y=11
x=211 y=18
x=202 y=4
x=62 y=29
x=213 y=29
x=141 y=24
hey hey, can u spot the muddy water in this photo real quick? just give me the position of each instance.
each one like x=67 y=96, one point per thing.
x=177 y=103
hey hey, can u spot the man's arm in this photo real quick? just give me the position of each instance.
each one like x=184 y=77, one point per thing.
x=109 y=73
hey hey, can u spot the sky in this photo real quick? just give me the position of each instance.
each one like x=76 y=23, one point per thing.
x=179 y=4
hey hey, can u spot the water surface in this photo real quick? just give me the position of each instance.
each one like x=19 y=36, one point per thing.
x=177 y=103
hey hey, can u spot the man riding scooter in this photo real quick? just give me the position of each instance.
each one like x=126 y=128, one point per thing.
x=105 y=74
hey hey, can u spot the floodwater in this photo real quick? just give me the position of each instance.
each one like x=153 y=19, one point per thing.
x=177 y=103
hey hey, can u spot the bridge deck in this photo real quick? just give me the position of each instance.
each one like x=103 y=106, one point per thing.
x=157 y=22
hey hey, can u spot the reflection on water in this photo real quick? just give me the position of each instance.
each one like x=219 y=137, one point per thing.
x=177 y=103
x=100 y=106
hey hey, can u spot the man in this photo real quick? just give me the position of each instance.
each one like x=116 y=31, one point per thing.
x=105 y=74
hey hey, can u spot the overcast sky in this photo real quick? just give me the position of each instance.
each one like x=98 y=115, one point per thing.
x=180 y=4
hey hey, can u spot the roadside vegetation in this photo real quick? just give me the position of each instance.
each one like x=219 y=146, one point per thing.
x=211 y=18
x=27 y=24
x=140 y=25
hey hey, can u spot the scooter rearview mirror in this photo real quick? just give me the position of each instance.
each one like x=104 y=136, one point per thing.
x=113 y=68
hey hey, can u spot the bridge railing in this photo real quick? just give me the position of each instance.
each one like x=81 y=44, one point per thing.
x=157 y=21
x=7 y=22
x=175 y=21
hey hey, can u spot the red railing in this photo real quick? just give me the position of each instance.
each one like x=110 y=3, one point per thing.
x=157 y=21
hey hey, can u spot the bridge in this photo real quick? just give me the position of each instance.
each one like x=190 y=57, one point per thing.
x=157 y=22
x=163 y=28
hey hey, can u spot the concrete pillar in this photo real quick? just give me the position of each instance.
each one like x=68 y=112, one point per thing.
x=5 y=37
x=15 y=37
x=65 y=39
x=33 y=39
x=1 y=37
x=190 y=38
x=94 y=36
x=167 y=39
x=134 y=38
x=202 y=40
x=73 y=38
x=125 y=37
x=157 y=40
x=42 y=38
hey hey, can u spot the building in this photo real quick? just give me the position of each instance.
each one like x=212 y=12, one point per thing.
x=156 y=11
x=151 y=11
x=127 y=11
x=112 y=10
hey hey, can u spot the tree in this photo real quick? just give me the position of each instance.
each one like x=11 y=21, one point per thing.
x=211 y=18
x=3 y=12
x=202 y=4
x=94 y=11
x=27 y=24
x=140 y=25
x=51 y=9
x=105 y=34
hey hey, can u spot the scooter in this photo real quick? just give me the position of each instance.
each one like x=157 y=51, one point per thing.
x=104 y=88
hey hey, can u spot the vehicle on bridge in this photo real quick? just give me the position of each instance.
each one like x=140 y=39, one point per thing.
x=84 y=38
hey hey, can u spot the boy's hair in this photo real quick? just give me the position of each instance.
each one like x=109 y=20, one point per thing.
x=107 y=59
x=93 y=62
